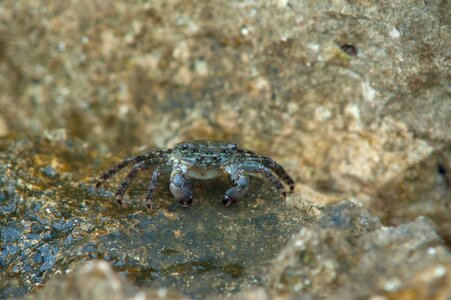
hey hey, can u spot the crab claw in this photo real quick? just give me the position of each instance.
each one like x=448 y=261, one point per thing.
x=186 y=202
x=181 y=189
x=228 y=200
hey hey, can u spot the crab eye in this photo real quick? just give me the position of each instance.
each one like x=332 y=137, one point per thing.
x=184 y=147
x=233 y=147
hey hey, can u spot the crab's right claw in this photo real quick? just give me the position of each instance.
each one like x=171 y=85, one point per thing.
x=181 y=189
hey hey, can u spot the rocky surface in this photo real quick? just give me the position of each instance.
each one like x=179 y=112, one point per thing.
x=344 y=254
x=347 y=254
x=97 y=280
x=53 y=217
x=339 y=90
x=424 y=190
x=351 y=96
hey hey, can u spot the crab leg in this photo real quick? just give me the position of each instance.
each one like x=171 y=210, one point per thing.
x=118 y=167
x=151 y=157
x=127 y=180
x=270 y=176
x=239 y=177
x=152 y=185
x=269 y=163
x=278 y=169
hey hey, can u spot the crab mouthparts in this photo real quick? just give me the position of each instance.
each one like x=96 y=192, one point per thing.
x=202 y=173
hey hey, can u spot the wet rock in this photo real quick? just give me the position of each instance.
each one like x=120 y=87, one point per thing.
x=9 y=234
x=348 y=254
x=207 y=249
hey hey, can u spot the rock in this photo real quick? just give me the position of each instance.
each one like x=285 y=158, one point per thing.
x=423 y=190
x=348 y=254
x=96 y=280
x=59 y=222
x=4 y=129
x=350 y=96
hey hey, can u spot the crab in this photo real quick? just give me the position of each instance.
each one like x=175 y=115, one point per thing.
x=200 y=160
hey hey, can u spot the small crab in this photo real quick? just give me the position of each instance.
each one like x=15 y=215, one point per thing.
x=200 y=160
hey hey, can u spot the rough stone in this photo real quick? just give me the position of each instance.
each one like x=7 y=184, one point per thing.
x=59 y=221
x=424 y=189
x=347 y=254
x=127 y=76
x=352 y=97
x=97 y=280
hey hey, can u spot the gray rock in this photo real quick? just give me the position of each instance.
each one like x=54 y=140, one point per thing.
x=347 y=254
